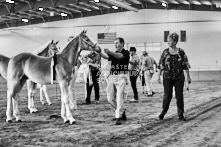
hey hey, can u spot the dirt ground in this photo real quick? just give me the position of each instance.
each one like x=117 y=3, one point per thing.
x=94 y=127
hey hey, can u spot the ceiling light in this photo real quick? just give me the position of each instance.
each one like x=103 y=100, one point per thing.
x=96 y=1
x=51 y=13
x=64 y=14
x=40 y=9
x=24 y=20
x=10 y=1
x=115 y=7
x=164 y=4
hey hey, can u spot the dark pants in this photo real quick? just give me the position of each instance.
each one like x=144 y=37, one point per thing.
x=133 y=79
x=168 y=94
x=142 y=78
x=95 y=79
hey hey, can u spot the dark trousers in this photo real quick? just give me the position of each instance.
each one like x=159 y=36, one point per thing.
x=142 y=78
x=133 y=79
x=95 y=79
x=168 y=94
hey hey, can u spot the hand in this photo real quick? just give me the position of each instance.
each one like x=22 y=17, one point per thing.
x=189 y=80
x=98 y=49
x=106 y=50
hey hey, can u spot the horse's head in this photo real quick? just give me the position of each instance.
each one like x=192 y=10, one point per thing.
x=85 y=42
x=53 y=48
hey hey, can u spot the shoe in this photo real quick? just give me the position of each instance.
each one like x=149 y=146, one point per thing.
x=123 y=117
x=118 y=121
x=133 y=100
x=86 y=103
x=161 y=116
x=182 y=118
x=153 y=93
x=97 y=101
x=149 y=95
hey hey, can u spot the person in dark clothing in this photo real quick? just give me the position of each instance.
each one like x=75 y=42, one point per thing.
x=172 y=62
x=94 y=66
x=134 y=72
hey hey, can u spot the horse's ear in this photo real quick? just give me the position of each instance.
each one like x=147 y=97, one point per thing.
x=52 y=41
x=56 y=42
x=82 y=32
x=85 y=31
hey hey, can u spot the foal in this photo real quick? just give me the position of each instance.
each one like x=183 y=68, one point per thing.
x=41 y=51
x=28 y=66
x=45 y=51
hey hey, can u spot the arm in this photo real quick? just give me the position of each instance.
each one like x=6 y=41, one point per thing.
x=105 y=56
x=96 y=61
x=188 y=76
x=134 y=60
x=155 y=63
x=116 y=55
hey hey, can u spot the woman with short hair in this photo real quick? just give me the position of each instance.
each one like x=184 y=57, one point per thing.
x=173 y=62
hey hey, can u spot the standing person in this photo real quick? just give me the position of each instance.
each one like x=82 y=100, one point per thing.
x=94 y=67
x=173 y=61
x=134 y=72
x=117 y=79
x=148 y=68
x=142 y=78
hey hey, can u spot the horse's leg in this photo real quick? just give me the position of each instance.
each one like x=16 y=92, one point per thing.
x=15 y=108
x=45 y=90
x=9 y=107
x=31 y=94
x=71 y=89
x=14 y=87
x=41 y=95
x=15 y=95
x=65 y=109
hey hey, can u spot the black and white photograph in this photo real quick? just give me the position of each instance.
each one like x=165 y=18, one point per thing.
x=110 y=73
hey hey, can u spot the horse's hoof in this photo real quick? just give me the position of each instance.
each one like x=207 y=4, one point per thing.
x=49 y=104
x=9 y=121
x=67 y=121
x=33 y=110
x=73 y=122
x=19 y=120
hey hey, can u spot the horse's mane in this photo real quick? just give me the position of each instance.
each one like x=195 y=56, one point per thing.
x=68 y=44
x=41 y=48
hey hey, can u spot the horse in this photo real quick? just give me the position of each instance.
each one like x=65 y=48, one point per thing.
x=28 y=66
x=48 y=49
x=41 y=51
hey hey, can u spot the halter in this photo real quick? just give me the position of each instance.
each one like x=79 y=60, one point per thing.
x=81 y=38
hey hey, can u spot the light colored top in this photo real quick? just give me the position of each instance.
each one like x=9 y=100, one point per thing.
x=147 y=63
x=135 y=59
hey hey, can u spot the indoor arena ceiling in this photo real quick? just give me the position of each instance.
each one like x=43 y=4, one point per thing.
x=15 y=13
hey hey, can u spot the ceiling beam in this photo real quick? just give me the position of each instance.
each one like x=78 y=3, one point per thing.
x=69 y=9
x=122 y=5
x=60 y=10
x=89 y=5
x=79 y=7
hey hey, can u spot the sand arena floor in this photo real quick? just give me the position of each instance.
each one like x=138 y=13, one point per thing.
x=94 y=126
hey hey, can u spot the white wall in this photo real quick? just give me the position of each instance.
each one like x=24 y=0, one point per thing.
x=203 y=32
